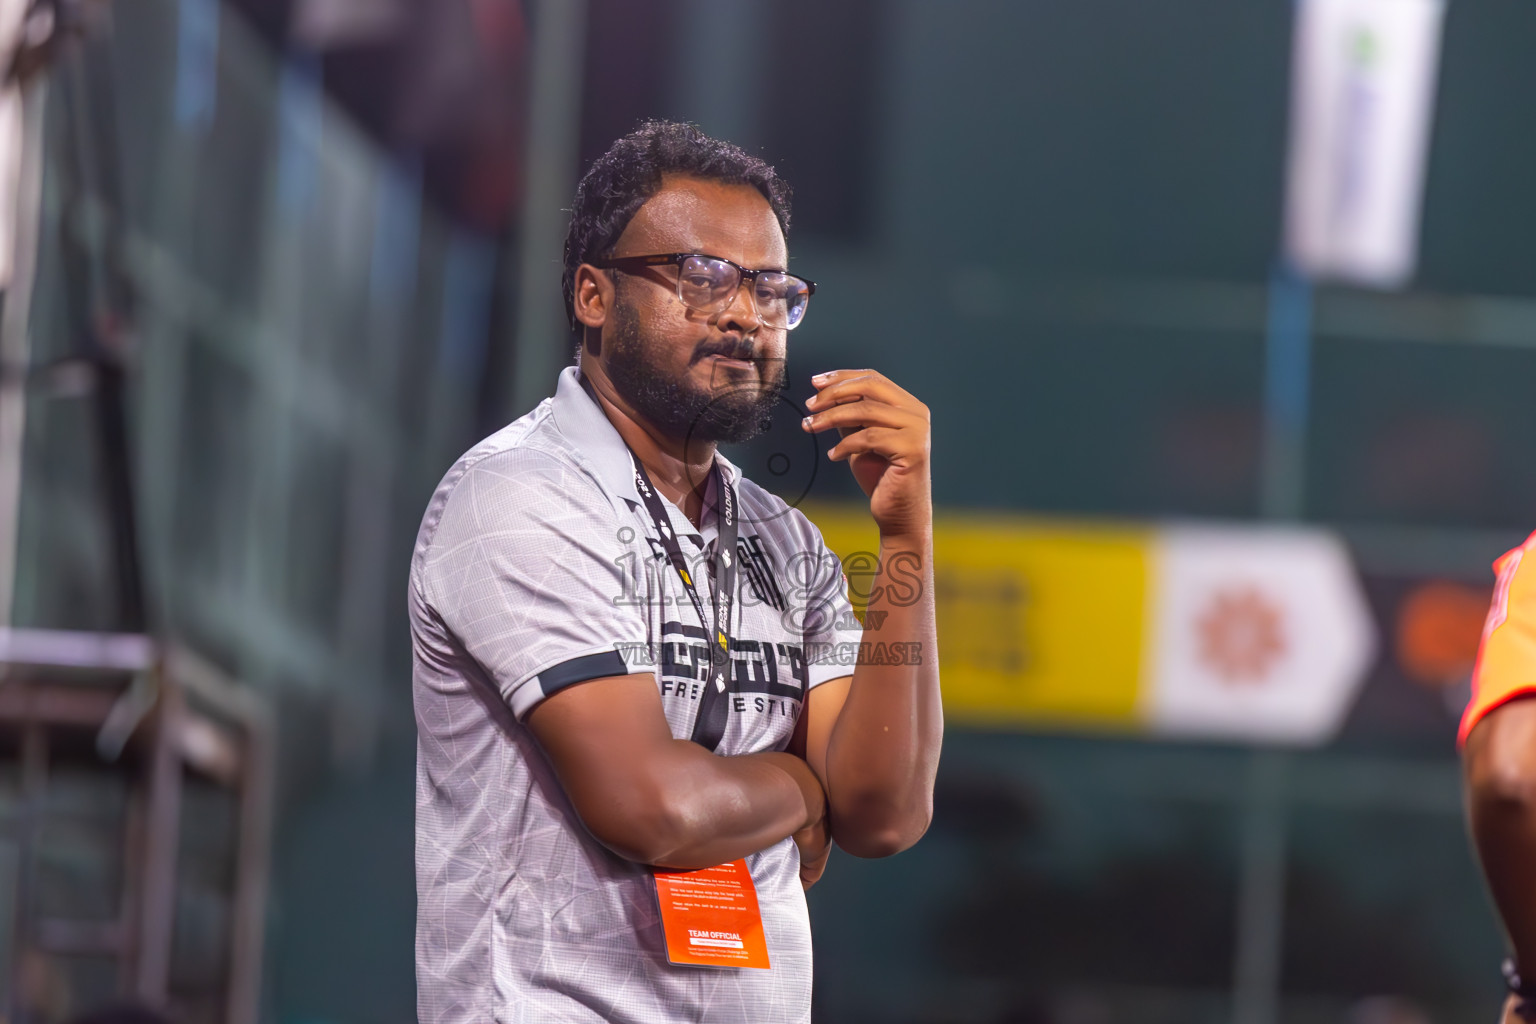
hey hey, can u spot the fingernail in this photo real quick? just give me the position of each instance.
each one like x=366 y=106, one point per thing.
x=821 y=378
x=811 y=401
x=806 y=423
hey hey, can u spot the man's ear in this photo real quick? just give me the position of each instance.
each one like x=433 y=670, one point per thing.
x=592 y=297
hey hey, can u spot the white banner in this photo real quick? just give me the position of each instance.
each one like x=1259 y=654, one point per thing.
x=1361 y=103
x=336 y=24
x=12 y=17
x=1256 y=634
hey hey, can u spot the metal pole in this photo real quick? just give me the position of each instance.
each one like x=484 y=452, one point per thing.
x=162 y=842
x=15 y=341
x=1287 y=394
x=1261 y=895
x=554 y=136
x=252 y=868
x=34 y=792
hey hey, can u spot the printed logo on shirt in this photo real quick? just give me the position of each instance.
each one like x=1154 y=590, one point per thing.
x=757 y=565
x=801 y=591
x=1499 y=611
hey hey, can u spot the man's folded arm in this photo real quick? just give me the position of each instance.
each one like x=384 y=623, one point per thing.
x=662 y=801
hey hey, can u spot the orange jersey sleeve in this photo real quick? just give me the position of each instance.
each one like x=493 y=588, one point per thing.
x=1506 y=659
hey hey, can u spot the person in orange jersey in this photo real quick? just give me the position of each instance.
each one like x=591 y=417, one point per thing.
x=1498 y=741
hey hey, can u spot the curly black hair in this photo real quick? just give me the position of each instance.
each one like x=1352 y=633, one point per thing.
x=621 y=180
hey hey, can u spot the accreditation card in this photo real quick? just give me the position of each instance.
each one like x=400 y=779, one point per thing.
x=711 y=918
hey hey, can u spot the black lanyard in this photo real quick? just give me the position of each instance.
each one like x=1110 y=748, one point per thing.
x=710 y=726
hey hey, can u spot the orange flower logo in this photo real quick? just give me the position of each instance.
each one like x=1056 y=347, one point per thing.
x=1242 y=636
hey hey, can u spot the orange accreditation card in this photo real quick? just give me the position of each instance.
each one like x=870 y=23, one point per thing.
x=711 y=917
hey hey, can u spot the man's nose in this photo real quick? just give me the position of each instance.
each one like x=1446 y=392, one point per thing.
x=741 y=314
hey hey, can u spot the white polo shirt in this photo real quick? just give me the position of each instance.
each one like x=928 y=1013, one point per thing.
x=538 y=568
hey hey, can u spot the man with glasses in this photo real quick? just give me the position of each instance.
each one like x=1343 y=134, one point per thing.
x=631 y=762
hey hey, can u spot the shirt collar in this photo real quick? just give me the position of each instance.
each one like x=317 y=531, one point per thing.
x=583 y=423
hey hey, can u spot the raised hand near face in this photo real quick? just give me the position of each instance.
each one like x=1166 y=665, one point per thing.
x=885 y=441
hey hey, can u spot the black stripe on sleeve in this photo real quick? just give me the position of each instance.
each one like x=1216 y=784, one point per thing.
x=675 y=628
x=579 y=670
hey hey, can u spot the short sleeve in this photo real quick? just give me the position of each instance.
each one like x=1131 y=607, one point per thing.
x=526 y=572
x=1506 y=660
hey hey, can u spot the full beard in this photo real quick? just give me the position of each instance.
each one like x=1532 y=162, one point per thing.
x=730 y=414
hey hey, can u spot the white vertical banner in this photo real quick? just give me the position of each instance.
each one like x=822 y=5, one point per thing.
x=11 y=139
x=1260 y=635
x=1362 y=100
x=12 y=18
x=335 y=24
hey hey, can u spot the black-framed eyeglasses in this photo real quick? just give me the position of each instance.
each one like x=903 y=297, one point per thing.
x=708 y=284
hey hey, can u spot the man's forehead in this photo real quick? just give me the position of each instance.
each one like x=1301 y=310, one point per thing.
x=697 y=215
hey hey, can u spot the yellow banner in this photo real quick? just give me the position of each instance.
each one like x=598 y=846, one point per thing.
x=1038 y=622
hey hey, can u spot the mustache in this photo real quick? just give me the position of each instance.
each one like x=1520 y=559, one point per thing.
x=730 y=348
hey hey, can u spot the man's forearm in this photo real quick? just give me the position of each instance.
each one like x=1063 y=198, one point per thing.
x=1506 y=843
x=1501 y=805
x=883 y=752
x=652 y=798
x=705 y=809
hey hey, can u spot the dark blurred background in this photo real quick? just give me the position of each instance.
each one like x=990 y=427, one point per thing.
x=296 y=255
